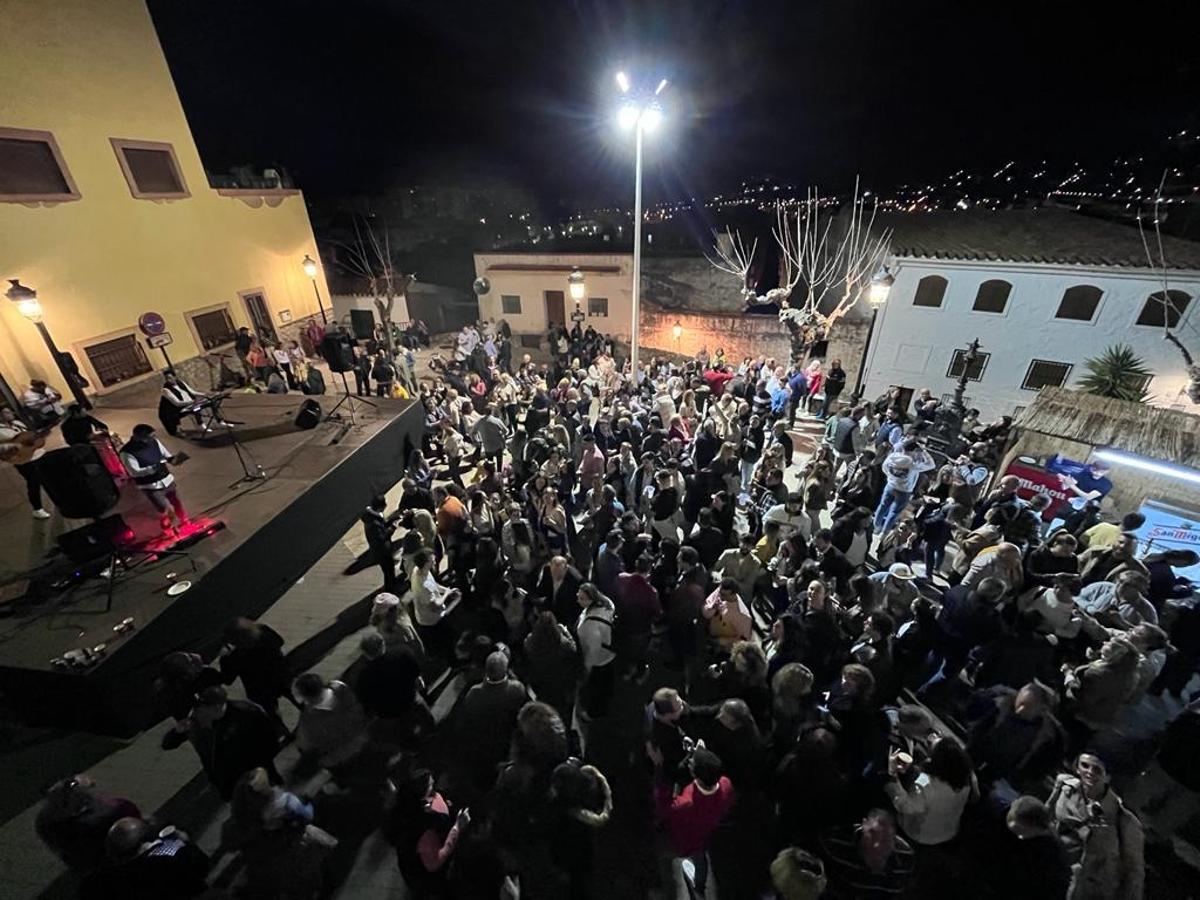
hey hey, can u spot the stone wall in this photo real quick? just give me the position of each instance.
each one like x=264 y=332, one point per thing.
x=744 y=335
x=688 y=283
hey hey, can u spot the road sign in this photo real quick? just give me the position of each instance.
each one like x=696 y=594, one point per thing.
x=160 y=340
x=152 y=323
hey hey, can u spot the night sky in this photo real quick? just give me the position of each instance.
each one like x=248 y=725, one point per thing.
x=360 y=95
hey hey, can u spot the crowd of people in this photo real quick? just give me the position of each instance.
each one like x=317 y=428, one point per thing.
x=640 y=608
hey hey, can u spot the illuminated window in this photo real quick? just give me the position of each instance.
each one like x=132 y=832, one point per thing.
x=151 y=169
x=992 y=296
x=1079 y=303
x=598 y=306
x=930 y=291
x=975 y=372
x=32 y=168
x=1163 y=309
x=510 y=304
x=1044 y=373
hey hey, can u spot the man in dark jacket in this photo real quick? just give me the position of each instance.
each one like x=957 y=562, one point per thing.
x=835 y=568
x=558 y=590
x=709 y=540
x=486 y=719
x=969 y=618
x=231 y=737
x=377 y=529
x=253 y=652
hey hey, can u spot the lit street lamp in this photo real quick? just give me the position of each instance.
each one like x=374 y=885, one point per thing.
x=577 y=286
x=877 y=294
x=310 y=269
x=642 y=114
x=30 y=307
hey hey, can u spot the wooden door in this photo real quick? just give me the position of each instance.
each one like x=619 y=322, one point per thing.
x=260 y=317
x=556 y=313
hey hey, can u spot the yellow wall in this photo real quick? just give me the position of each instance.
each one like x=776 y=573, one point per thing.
x=89 y=70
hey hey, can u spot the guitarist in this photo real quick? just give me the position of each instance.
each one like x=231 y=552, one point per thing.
x=23 y=448
x=146 y=460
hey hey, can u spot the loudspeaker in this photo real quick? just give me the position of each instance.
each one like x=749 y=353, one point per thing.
x=362 y=321
x=338 y=350
x=97 y=540
x=78 y=482
x=309 y=415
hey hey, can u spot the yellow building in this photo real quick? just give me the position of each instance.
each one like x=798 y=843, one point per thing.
x=106 y=210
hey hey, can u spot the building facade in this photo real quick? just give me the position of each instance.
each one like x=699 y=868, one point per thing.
x=107 y=211
x=1038 y=312
x=530 y=290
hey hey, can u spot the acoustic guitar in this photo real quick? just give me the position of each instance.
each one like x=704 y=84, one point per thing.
x=21 y=449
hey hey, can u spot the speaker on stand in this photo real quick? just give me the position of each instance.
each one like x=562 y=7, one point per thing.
x=337 y=348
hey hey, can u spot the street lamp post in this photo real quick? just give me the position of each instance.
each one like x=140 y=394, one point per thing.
x=310 y=269
x=30 y=307
x=877 y=294
x=641 y=115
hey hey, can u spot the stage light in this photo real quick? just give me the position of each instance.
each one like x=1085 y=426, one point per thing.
x=1167 y=470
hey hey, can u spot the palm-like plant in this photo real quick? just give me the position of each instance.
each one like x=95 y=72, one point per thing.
x=1119 y=373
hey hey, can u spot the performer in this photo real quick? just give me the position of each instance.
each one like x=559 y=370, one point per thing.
x=146 y=459
x=177 y=396
x=43 y=402
x=23 y=448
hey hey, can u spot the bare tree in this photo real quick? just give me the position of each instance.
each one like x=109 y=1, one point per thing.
x=370 y=256
x=822 y=273
x=1165 y=298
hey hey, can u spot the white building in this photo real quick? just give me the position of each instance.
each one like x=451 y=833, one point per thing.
x=1042 y=290
x=530 y=290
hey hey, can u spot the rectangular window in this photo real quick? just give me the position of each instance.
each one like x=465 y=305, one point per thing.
x=119 y=359
x=975 y=372
x=32 y=168
x=151 y=169
x=214 y=328
x=598 y=306
x=1044 y=373
x=510 y=304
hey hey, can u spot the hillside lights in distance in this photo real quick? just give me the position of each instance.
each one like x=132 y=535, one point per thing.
x=1167 y=470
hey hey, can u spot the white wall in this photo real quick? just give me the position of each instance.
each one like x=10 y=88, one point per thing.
x=543 y=272
x=913 y=345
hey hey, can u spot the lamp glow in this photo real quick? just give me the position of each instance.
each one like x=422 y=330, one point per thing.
x=623 y=82
x=627 y=116
x=662 y=86
x=310 y=266
x=576 y=285
x=1167 y=470
x=651 y=117
x=677 y=330
x=30 y=309
x=26 y=299
x=880 y=287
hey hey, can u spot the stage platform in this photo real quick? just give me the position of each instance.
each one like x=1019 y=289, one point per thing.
x=317 y=483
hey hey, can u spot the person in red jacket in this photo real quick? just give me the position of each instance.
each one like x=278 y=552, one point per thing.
x=690 y=818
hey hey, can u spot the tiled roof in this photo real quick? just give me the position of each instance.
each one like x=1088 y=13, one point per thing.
x=1029 y=235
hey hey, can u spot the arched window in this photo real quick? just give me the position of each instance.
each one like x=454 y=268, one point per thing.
x=1079 y=303
x=992 y=296
x=930 y=291
x=1163 y=309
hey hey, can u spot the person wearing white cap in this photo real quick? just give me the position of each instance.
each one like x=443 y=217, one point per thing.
x=897 y=589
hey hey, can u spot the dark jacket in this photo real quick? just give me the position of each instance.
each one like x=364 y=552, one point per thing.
x=242 y=739
x=565 y=602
